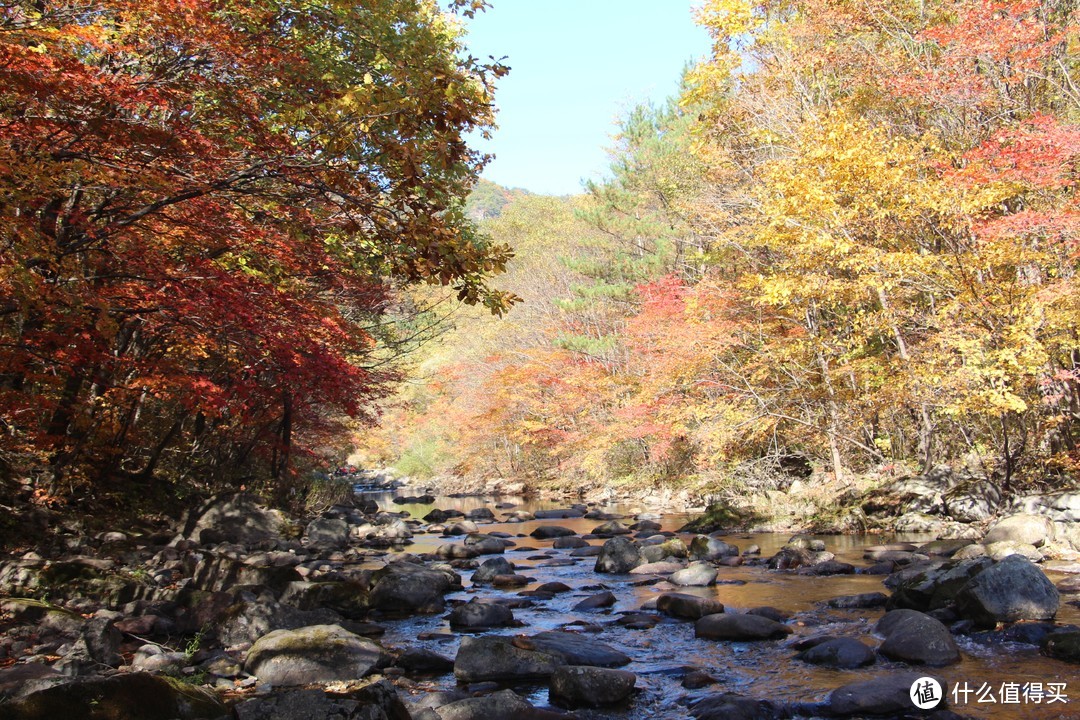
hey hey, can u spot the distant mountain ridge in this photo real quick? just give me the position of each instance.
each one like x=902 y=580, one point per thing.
x=488 y=200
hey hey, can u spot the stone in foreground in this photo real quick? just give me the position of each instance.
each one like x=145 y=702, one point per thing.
x=313 y=654
x=732 y=706
x=582 y=685
x=687 y=606
x=576 y=649
x=739 y=628
x=498 y=658
x=845 y=653
x=134 y=696
x=1013 y=589
x=914 y=637
x=889 y=696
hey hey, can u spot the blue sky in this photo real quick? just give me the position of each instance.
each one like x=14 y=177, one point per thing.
x=577 y=65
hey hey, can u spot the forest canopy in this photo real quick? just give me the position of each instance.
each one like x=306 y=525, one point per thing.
x=852 y=238
x=207 y=210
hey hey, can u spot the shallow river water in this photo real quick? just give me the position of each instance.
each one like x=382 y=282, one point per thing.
x=764 y=670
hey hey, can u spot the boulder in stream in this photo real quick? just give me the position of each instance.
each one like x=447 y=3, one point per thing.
x=499 y=658
x=490 y=568
x=1012 y=589
x=475 y=615
x=889 y=696
x=315 y=654
x=739 y=627
x=688 y=607
x=403 y=588
x=131 y=696
x=696 y=574
x=619 y=556
x=914 y=637
x=575 y=649
x=549 y=532
x=839 y=652
x=584 y=685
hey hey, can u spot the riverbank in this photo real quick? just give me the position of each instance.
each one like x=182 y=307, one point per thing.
x=433 y=607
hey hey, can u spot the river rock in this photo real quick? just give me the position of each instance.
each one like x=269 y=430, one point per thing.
x=1069 y=586
x=43 y=614
x=98 y=643
x=581 y=685
x=619 y=555
x=497 y=658
x=914 y=637
x=1013 y=589
x=610 y=529
x=703 y=547
x=732 y=706
x=481 y=513
x=841 y=652
x=889 y=696
x=462 y=527
x=604 y=599
x=473 y=615
x=547 y=532
x=490 y=568
x=666 y=567
x=739 y=627
x=423 y=661
x=973 y=500
x=554 y=588
x=1063 y=645
x=917 y=522
x=646 y=526
x=1004 y=548
x=319 y=653
x=437 y=516
x=688 y=607
x=347 y=598
x=496 y=706
x=675 y=547
x=576 y=649
x=935 y=585
x=485 y=544
x=154 y=658
x=943 y=548
x=236 y=518
x=1022 y=528
x=130 y=696
x=696 y=574
x=327 y=533
x=569 y=542
x=377 y=701
x=970 y=552
x=403 y=588
x=827 y=567
x=1062 y=507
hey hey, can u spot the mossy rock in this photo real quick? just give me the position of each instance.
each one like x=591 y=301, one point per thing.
x=135 y=696
x=721 y=517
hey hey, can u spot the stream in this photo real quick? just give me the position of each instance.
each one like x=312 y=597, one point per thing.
x=661 y=655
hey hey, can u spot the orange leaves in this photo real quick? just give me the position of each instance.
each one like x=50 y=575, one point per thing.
x=202 y=215
x=1041 y=153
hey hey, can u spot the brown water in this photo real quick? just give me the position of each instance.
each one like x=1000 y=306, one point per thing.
x=762 y=669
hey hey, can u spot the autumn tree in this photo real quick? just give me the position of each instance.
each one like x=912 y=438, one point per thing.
x=205 y=209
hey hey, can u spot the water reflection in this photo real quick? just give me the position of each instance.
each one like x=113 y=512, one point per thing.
x=763 y=670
